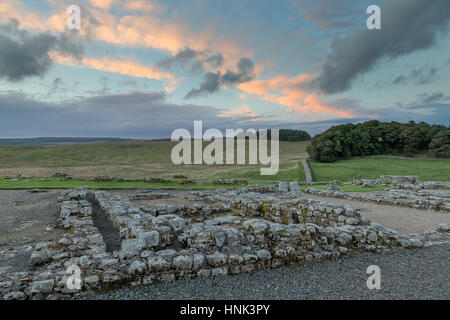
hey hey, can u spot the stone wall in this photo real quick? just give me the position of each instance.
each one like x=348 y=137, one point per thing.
x=222 y=232
x=420 y=199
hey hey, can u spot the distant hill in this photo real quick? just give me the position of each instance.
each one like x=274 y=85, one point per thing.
x=53 y=141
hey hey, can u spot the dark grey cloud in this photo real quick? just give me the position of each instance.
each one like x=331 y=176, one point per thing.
x=25 y=55
x=439 y=96
x=134 y=115
x=421 y=75
x=426 y=99
x=151 y=116
x=215 y=60
x=183 y=57
x=213 y=81
x=210 y=84
x=406 y=26
x=245 y=73
x=194 y=59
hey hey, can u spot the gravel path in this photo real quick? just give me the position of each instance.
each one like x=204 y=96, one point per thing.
x=308 y=175
x=405 y=274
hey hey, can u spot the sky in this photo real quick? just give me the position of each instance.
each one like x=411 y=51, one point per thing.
x=143 y=68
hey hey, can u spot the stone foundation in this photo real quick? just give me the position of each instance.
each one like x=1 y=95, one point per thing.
x=222 y=232
x=420 y=199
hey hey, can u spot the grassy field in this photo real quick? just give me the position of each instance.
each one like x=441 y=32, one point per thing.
x=132 y=159
x=372 y=168
x=137 y=159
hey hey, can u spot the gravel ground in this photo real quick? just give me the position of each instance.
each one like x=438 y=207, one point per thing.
x=24 y=217
x=405 y=274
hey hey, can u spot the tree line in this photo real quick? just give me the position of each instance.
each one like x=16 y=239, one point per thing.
x=290 y=135
x=378 y=138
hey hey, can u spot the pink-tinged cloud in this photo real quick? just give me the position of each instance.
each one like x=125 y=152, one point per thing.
x=104 y=4
x=241 y=112
x=142 y=5
x=142 y=29
x=131 y=5
x=292 y=93
x=129 y=68
x=15 y=9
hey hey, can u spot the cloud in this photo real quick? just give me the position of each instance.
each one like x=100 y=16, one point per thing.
x=294 y=94
x=407 y=26
x=195 y=59
x=143 y=5
x=422 y=75
x=243 y=113
x=215 y=60
x=143 y=28
x=23 y=55
x=133 y=115
x=150 y=115
x=210 y=84
x=130 y=68
x=246 y=72
x=103 y=4
x=328 y=15
x=213 y=81
x=55 y=86
x=429 y=98
x=150 y=31
x=434 y=97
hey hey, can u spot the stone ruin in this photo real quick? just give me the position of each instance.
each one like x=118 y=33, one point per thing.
x=402 y=182
x=221 y=232
x=406 y=191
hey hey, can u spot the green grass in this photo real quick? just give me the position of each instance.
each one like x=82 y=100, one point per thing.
x=52 y=183
x=132 y=160
x=85 y=154
x=372 y=168
x=288 y=171
x=113 y=153
x=138 y=159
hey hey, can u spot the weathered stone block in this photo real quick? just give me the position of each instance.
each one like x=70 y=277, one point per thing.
x=45 y=286
x=217 y=259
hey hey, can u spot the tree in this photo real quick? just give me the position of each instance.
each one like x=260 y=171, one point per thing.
x=375 y=138
x=439 y=146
